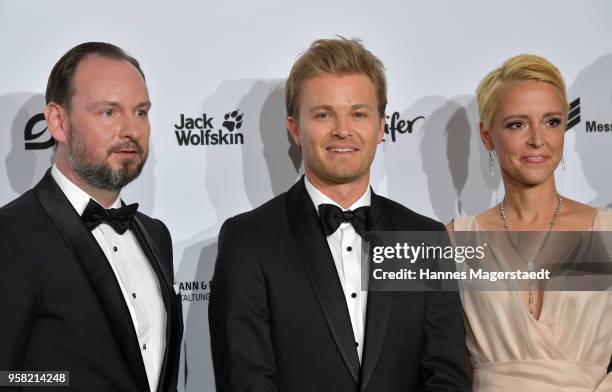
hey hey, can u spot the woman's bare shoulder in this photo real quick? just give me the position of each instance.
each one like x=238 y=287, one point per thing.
x=575 y=215
x=486 y=220
x=490 y=220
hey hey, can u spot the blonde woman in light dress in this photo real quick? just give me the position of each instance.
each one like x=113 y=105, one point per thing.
x=528 y=339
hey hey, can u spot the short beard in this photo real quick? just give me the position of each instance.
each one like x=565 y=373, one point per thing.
x=99 y=174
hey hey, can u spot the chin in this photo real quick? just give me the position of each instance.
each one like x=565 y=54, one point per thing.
x=127 y=163
x=534 y=180
x=531 y=176
x=345 y=177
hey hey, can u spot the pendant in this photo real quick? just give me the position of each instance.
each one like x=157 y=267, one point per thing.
x=530 y=266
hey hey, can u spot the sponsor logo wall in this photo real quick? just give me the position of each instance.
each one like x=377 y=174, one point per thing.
x=201 y=131
x=219 y=145
x=36 y=129
x=590 y=126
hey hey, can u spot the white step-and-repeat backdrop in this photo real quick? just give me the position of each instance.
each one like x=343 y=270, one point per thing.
x=212 y=59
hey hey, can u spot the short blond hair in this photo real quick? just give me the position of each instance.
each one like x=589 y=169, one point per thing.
x=338 y=56
x=523 y=67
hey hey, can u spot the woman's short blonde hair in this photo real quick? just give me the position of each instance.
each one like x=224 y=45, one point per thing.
x=523 y=67
x=338 y=56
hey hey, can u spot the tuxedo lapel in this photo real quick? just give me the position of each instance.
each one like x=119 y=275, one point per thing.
x=172 y=309
x=317 y=259
x=99 y=272
x=379 y=304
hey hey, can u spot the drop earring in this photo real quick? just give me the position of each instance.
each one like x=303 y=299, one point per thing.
x=491 y=164
x=563 y=163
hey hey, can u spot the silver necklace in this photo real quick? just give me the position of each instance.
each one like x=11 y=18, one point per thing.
x=530 y=264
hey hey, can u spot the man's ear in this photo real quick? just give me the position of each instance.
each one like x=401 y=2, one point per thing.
x=292 y=127
x=381 y=131
x=56 y=118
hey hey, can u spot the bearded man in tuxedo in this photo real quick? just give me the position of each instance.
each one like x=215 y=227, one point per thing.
x=86 y=282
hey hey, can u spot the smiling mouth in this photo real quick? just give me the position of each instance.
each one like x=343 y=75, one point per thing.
x=535 y=159
x=342 y=150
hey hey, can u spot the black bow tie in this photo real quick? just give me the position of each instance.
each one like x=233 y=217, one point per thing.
x=117 y=218
x=332 y=216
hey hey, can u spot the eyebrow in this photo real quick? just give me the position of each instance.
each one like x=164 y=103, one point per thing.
x=142 y=104
x=361 y=106
x=319 y=107
x=329 y=108
x=548 y=114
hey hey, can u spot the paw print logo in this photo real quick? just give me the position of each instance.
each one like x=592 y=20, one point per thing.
x=233 y=120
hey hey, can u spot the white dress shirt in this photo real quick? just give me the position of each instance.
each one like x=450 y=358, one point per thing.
x=136 y=278
x=345 y=247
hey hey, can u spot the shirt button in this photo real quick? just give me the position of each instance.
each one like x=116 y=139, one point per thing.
x=349 y=248
x=133 y=295
x=144 y=346
x=114 y=248
x=354 y=295
x=356 y=344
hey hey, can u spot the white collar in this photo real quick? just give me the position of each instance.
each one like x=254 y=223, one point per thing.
x=77 y=197
x=319 y=197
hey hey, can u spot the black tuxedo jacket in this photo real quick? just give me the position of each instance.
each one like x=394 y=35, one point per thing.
x=62 y=308
x=279 y=320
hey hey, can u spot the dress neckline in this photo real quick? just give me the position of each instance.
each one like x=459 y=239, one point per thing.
x=515 y=289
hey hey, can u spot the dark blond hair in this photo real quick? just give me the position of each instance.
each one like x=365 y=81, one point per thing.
x=518 y=68
x=339 y=56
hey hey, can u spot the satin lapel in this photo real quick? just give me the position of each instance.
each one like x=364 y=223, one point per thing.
x=379 y=305
x=172 y=322
x=98 y=271
x=316 y=257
